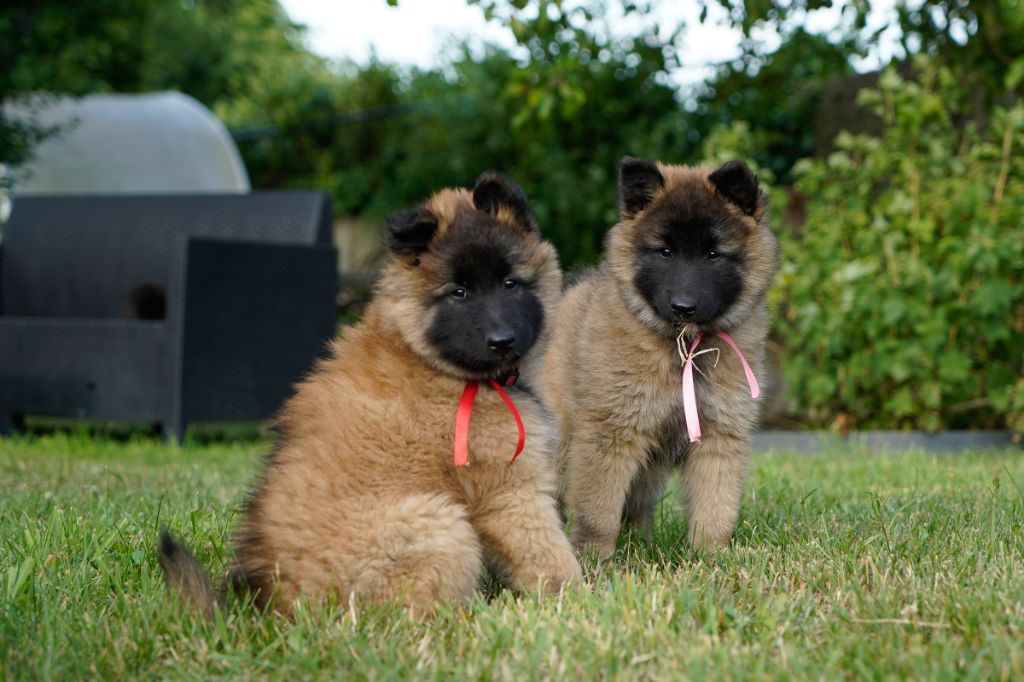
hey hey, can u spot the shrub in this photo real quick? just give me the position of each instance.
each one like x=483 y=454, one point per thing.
x=901 y=298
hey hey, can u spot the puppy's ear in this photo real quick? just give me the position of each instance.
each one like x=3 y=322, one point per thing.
x=638 y=181
x=411 y=231
x=494 y=191
x=738 y=184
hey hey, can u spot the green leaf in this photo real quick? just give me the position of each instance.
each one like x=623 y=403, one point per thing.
x=954 y=366
x=994 y=297
x=18 y=578
x=893 y=310
x=853 y=271
x=901 y=403
x=821 y=387
x=1015 y=74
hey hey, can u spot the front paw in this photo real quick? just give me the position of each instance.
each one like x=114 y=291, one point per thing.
x=570 y=574
x=591 y=542
x=559 y=572
x=598 y=552
x=594 y=549
x=710 y=541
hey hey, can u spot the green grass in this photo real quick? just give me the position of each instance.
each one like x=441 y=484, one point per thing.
x=877 y=566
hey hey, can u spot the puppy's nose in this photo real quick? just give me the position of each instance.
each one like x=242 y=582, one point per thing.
x=501 y=341
x=684 y=305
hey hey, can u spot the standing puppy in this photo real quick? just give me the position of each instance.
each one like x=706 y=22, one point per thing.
x=368 y=493
x=691 y=257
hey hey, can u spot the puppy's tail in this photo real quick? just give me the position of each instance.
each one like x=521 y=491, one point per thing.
x=186 y=578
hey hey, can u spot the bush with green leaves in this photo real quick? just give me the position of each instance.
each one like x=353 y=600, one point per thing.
x=901 y=298
x=776 y=95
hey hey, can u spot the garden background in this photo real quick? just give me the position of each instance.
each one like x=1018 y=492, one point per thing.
x=899 y=199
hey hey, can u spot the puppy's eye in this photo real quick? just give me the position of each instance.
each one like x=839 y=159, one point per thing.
x=665 y=252
x=458 y=293
x=511 y=283
x=713 y=255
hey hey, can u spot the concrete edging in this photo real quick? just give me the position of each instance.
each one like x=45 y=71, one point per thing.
x=893 y=441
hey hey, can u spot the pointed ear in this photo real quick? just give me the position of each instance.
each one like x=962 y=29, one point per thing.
x=638 y=181
x=494 y=191
x=411 y=231
x=738 y=184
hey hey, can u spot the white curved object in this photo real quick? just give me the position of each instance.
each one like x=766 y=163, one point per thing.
x=116 y=144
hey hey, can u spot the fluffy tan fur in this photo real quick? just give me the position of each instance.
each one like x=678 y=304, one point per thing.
x=361 y=497
x=612 y=376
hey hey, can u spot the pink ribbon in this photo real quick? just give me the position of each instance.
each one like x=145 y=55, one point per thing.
x=690 y=396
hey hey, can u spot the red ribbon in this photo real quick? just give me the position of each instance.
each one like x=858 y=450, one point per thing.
x=466 y=410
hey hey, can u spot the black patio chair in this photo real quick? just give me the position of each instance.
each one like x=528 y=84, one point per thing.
x=166 y=309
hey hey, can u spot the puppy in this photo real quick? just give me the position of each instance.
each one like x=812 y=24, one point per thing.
x=684 y=276
x=393 y=478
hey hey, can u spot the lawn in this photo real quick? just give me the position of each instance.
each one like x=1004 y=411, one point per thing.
x=843 y=565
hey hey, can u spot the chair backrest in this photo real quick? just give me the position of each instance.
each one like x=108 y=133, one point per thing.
x=88 y=256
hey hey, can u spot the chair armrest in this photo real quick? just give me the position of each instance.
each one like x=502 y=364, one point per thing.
x=254 y=318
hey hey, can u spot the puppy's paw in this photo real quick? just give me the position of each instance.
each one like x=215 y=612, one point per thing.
x=595 y=551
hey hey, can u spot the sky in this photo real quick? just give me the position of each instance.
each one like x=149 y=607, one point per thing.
x=417 y=32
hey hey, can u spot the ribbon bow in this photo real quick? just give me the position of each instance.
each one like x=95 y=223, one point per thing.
x=689 y=395
x=466 y=411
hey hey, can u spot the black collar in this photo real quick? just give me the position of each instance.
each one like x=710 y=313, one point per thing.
x=508 y=378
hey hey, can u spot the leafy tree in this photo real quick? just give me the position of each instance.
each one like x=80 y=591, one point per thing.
x=298 y=130
x=580 y=96
x=556 y=114
x=218 y=51
x=982 y=41
x=54 y=46
x=777 y=96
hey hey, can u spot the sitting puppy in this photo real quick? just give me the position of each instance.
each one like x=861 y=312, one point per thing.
x=658 y=330
x=393 y=478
